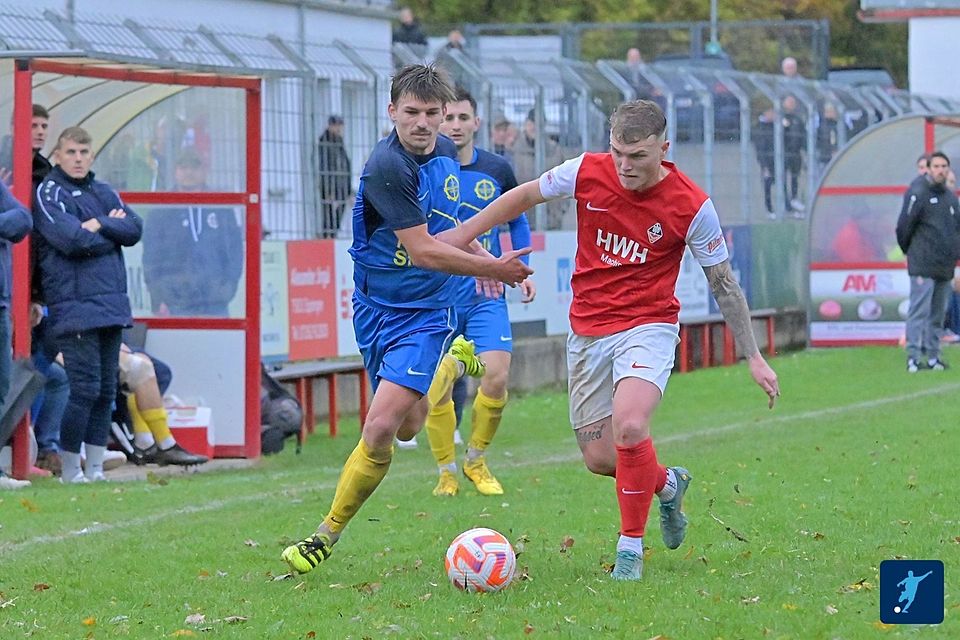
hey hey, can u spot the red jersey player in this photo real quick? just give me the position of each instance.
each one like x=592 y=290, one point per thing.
x=636 y=213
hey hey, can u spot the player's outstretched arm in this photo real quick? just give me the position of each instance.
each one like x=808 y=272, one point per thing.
x=736 y=313
x=504 y=209
x=427 y=252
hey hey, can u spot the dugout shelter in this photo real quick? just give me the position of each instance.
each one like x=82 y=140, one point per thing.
x=141 y=116
x=858 y=286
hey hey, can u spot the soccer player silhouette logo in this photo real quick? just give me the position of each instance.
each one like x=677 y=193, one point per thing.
x=909 y=592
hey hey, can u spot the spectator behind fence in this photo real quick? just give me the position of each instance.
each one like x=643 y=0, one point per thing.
x=827 y=135
x=81 y=225
x=39 y=124
x=642 y=87
x=192 y=255
x=928 y=232
x=455 y=40
x=335 y=173
x=409 y=30
x=503 y=135
x=788 y=66
x=15 y=224
x=525 y=163
x=794 y=146
x=763 y=133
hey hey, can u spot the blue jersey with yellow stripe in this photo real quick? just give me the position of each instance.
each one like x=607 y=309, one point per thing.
x=481 y=182
x=399 y=190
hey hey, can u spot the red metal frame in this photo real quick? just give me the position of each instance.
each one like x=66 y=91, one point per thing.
x=250 y=198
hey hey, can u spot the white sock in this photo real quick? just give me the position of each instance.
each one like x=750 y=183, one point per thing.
x=627 y=543
x=669 y=488
x=143 y=440
x=94 y=460
x=71 y=465
x=452 y=468
x=473 y=454
x=167 y=443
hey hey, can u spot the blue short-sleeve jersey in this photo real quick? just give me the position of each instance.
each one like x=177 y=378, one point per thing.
x=481 y=182
x=400 y=190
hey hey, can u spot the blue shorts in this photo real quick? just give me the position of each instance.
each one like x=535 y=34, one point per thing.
x=487 y=324
x=402 y=346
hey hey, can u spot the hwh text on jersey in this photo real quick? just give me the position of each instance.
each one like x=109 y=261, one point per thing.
x=620 y=246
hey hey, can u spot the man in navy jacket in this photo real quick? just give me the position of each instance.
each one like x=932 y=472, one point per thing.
x=81 y=226
x=15 y=224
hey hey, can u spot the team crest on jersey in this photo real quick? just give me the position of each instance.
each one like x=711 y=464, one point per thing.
x=654 y=233
x=485 y=189
x=451 y=188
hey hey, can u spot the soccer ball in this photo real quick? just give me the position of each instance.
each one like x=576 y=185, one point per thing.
x=480 y=560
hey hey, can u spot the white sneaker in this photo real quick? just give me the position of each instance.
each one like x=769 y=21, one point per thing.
x=77 y=479
x=97 y=477
x=457 y=438
x=113 y=459
x=12 y=484
x=406 y=444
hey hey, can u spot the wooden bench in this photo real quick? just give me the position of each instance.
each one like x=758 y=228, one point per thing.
x=302 y=375
x=707 y=325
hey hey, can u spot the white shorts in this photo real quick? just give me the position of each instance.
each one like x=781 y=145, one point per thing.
x=596 y=364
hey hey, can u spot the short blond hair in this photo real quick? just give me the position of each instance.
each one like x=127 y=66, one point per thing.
x=636 y=121
x=74 y=134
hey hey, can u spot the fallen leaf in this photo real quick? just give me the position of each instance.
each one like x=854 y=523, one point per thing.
x=29 y=505
x=426 y=597
x=736 y=488
x=818 y=536
x=311 y=635
x=119 y=619
x=282 y=576
x=904 y=522
x=251 y=543
x=789 y=607
x=528 y=628
x=566 y=544
x=392 y=507
x=41 y=586
x=369 y=588
x=883 y=627
x=831 y=610
x=195 y=619
x=153 y=478
x=182 y=632
x=235 y=619
x=750 y=600
x=203 y=574
x=89 y=622
x=957 y=539
x=689 y=553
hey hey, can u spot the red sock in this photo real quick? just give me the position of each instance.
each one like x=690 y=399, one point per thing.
x=637 y=477
x=661 y=477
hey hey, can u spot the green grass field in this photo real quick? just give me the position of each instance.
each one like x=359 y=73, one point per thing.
x=857 y=464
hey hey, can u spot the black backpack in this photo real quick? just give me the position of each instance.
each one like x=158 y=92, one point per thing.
x=280 y=414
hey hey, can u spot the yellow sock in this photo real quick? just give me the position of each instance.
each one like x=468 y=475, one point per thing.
x=157 y=422
x=447 y=373
x=441 y=423
x=139 y=424
x=486 y=418
x=361 y=475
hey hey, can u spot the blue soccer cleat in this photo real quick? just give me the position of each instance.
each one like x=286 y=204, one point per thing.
x=673 y=524
x=629 y=566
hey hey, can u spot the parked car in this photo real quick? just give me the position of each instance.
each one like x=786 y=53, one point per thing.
x=862 y=76
x=726 y=106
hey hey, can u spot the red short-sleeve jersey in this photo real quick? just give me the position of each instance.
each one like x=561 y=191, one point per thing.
x=630 y=243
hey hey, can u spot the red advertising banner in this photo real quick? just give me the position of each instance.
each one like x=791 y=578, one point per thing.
x=313 y=307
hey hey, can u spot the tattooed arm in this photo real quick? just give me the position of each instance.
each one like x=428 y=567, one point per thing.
x=735 y=312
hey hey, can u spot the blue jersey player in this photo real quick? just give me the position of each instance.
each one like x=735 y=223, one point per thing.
x=404 y=293
x=483 y=320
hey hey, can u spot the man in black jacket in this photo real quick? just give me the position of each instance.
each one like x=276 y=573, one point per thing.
x=928 y=232
x=409 y=30
x=81 y=226
x=40 y=166
x=334 y=166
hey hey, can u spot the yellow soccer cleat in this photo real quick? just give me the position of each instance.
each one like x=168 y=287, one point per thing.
x=480 y=475
x=447 y=484
x=308 y=553
x=463 y=350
